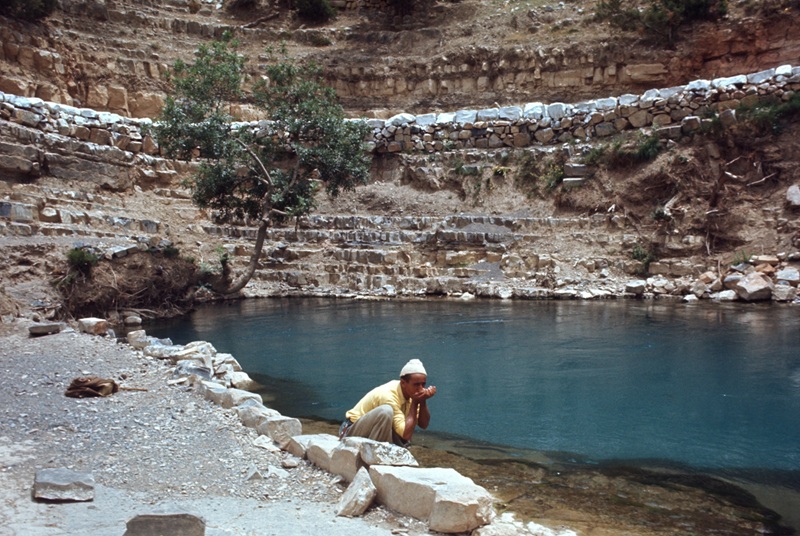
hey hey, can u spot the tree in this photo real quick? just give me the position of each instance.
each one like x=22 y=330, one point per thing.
x=29 y=10
x=660 y=20
x=267 y=174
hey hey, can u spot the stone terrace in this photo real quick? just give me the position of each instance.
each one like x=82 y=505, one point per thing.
x=103 y=152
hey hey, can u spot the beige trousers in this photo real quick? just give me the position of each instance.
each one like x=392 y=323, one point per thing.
x=377 y=424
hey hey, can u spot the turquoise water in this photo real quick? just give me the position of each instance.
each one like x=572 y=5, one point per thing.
x=710 y=386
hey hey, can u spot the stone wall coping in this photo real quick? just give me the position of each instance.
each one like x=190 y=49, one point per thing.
x=519 y=125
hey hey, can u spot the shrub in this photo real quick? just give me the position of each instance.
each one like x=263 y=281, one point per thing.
x=623 y=155
x=170 y=252
x=553 y=174
x=466 y=170
x=527 y=173
x=501 y=171
x=242 y=4
x=596 y=155
x=644 y=255
x=531 y=172
x=619 y=15
x=661 y=19
x=82 y=260
x=315 y=10
x=30 y=10
x=741 y=257
x=770 y=114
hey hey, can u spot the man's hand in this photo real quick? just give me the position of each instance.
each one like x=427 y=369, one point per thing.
x=424 y=394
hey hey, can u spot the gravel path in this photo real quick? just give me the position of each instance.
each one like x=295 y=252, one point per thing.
x=154 y=449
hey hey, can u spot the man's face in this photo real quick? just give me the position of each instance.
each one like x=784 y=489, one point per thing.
x=413 y=385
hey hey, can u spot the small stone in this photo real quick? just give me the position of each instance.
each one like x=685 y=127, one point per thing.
x=254 y=474
x=291 y=462
x=93 y=326
x=175 y=524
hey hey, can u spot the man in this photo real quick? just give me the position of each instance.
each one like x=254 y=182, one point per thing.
x=392 y=411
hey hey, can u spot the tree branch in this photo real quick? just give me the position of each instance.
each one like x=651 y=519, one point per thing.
x=255 y=157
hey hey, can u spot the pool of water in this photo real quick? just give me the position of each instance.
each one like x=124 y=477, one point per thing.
x=707 y=386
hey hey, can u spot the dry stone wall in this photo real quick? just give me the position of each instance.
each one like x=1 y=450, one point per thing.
x=673 y=112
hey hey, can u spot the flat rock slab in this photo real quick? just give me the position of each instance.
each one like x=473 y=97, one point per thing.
x=178 y=524
x=61 y=484
x=45 y=328
x=447 y=500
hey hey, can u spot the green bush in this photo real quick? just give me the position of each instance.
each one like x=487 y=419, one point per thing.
x=661 y=19
x=644 y=255
x=527 y=173
x=621 y=154
x=170 y=252
x=30 y=10
x=242 y=4
x=770 y=114
x=533 y=172
x=82 y=260
x=315 y=10
x=553 y=174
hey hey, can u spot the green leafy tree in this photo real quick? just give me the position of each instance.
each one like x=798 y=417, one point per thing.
x=317 y=11
x=30 y=10
x=660 y=20
x=268 y=174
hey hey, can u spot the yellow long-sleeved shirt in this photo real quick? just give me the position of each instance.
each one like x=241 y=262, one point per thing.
x=388 y=393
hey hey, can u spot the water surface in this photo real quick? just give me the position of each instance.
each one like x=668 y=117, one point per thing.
x=705 y=385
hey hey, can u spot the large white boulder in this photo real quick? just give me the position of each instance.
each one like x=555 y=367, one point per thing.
x=447 y=500
x=280 y=429
x=754 y=286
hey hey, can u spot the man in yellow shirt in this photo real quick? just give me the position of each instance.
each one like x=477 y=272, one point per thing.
x=392 y=411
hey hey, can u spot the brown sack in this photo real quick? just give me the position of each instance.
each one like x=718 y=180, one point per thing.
x=91 y=386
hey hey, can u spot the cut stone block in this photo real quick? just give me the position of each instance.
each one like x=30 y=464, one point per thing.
x=320 y=449
x=62 y=484
x=346 y=458
x=212 y=391
x=280 y=429
x=448 y=501
x=45 y=328
x=358 y=496
x=253 y=415
x=380 y=453
x=235 y=397
x=178 y=524
x=298 y=445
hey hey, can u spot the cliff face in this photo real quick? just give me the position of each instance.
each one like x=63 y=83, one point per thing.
x=466 y=217
x=112 y=56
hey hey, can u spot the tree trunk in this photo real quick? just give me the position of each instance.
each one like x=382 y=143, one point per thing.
x=243 y=279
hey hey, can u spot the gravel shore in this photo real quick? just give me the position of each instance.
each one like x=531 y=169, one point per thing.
x=151 y=447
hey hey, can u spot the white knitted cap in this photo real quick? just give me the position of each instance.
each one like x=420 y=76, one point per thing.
x=414 y=366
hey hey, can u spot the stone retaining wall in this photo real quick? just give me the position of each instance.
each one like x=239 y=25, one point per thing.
x=673 y=112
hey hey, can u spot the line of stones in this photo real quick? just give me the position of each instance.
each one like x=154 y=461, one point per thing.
x=675 y=111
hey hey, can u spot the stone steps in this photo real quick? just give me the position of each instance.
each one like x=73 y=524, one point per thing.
x=363 y=232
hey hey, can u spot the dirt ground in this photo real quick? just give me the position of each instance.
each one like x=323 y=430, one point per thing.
x=151 y=447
